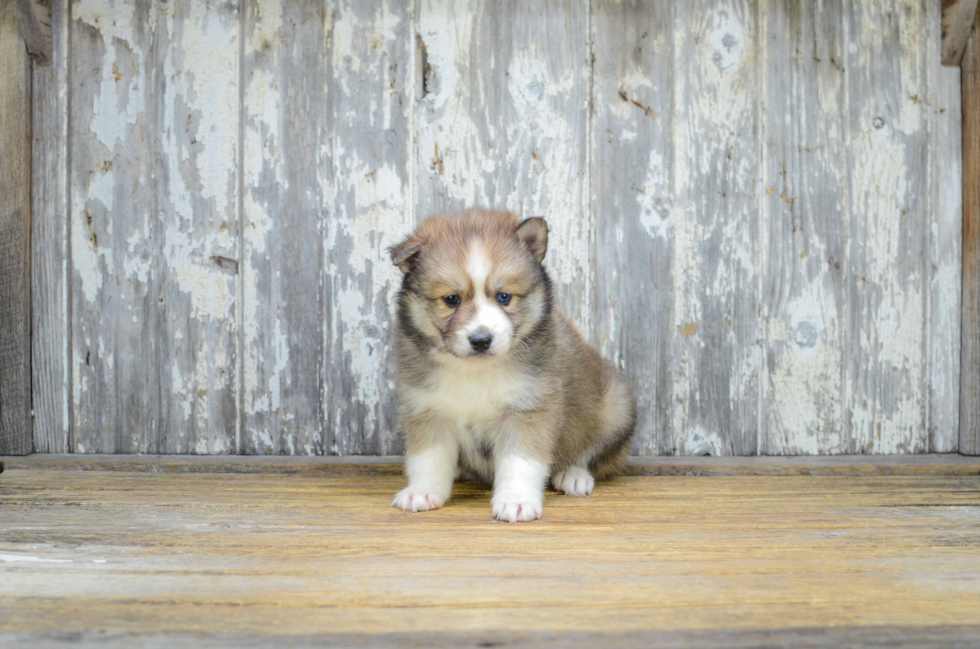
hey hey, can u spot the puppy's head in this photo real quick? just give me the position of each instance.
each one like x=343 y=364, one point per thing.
x=474 y=286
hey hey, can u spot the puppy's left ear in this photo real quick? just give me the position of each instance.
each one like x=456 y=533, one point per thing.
x=533 y=235
x=406 y=253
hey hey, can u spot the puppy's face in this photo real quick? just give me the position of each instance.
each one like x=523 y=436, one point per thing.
x=474 y=286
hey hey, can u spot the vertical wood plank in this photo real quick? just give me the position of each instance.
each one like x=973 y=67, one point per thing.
x=196 y=172
x=716 y=228
x=114 y=406
x=154 y=223
x=969 y=443
x=889 y=191
x=632 y=187
x=286 y=148
x=804 y=212
x=49 y=244
x=945 y=246
x=15 y=238
x=503 y=122
x=371 y=100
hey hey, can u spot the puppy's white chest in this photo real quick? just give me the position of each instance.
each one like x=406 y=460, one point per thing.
x=474 y=396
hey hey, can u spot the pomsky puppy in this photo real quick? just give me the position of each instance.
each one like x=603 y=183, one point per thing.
x=495 y=384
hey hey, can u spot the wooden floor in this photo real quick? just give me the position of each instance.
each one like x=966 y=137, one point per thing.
x=183 y=557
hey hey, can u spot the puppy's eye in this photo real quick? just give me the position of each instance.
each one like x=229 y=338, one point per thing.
x=503 y=298
x=451 y=301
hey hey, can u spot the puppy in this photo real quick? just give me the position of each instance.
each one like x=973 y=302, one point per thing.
x=495 y=384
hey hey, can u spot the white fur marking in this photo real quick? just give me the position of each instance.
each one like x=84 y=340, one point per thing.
x=468 y=391
x=518 y=489
x=430 y=479
x=489 y=315
x=574 y=481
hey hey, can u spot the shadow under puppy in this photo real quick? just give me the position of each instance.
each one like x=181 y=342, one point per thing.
x=494 y=382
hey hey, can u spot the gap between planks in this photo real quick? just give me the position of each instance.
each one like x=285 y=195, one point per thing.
x=837 y=465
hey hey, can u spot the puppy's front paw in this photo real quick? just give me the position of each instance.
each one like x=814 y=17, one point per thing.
x=516 y=508
x=413 y=499
x=574 y=481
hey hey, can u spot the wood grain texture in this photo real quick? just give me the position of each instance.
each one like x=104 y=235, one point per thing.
x=286 y=143
x=805 y=216
x=216 y=558
x=633 y=188
x=34 y=17
x=154 y=226
x=328 y=153
x=49 y=246
x=109 y=183
x=716 y=232
x=945 y=251
x=370 y=207
x=888 y=275
x=970 y=351
x=15 y=238
x=503 y=122
x=957 y=25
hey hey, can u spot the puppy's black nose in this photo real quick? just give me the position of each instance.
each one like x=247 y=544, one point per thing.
x=481 y=341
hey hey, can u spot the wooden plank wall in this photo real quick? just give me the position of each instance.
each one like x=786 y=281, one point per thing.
x=754 y=205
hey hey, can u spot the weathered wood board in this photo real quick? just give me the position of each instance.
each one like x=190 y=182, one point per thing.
x=154 y=226
x=716 y=83
x=888 y=193
x=327 y=160
x=969 y=441
x=754 y=212
x=631 y=172
x=284 y=134
x=123 y=558
x=15 y=237
x=945 y=255
x=369 y=207
x=50 y=339
x=805 y=216
x=502 y=120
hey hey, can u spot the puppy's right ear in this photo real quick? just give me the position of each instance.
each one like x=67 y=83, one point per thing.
x=406 y=253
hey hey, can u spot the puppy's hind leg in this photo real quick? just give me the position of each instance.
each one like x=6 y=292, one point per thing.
x=573 y=481
x=606 y=457
x=619 y=423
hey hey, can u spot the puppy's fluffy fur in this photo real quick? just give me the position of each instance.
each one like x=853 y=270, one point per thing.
x=496 y=384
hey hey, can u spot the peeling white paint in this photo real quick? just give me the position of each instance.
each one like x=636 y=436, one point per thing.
x=715 y=99
x=537 y=166
x=512 y=133
x=655 y=210
x=120 y=101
